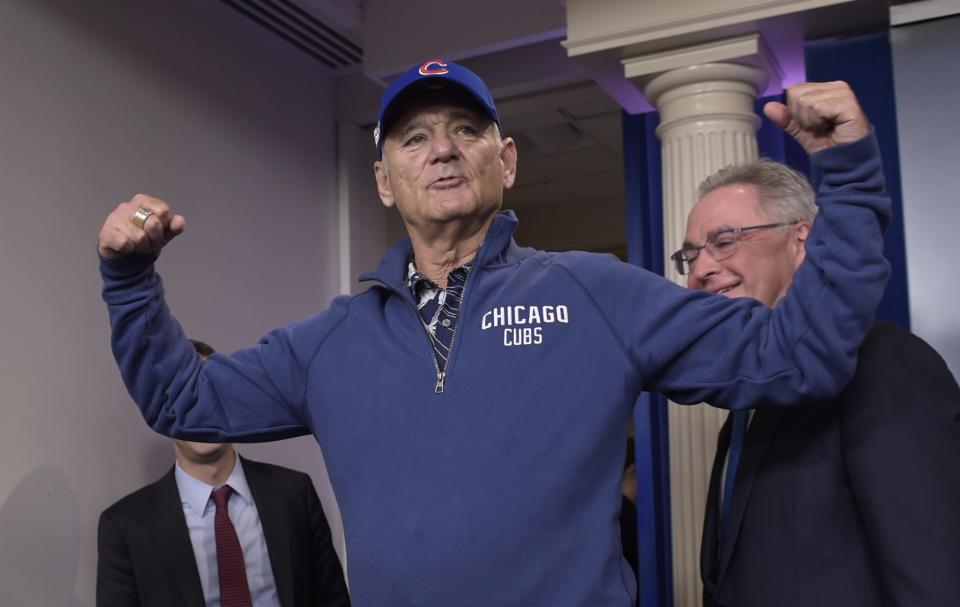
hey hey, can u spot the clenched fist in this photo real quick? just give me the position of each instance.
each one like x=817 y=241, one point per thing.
x=120 y=236
x=820 y=115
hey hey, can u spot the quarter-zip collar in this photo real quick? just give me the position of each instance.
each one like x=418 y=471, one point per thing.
x=497 y=243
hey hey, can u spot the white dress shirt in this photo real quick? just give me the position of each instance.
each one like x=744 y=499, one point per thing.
x=199 y=510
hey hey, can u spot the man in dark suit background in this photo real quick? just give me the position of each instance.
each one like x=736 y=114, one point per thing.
x=850 y=502
x=158 y=546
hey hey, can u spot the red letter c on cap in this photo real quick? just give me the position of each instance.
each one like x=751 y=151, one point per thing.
x=433 y=67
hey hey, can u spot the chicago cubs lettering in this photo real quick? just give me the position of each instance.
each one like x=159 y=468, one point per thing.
x=523 y=336
x=522 y=324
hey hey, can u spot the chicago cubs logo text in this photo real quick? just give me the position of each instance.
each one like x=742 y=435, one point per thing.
x=522 y=325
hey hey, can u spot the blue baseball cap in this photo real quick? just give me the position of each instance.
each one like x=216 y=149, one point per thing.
x=434 y=69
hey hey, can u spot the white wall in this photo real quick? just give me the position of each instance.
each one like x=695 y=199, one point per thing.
x=189 y=101
x=365 y=224
x=925 y=68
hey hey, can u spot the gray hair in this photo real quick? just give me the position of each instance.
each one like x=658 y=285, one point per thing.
x=785 y=194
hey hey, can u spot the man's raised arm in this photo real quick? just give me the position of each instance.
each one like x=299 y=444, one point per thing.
x=697 y=347
x=253 y=395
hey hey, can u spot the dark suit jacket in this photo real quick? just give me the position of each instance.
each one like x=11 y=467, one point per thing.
x=146 y=559
x=850 y=502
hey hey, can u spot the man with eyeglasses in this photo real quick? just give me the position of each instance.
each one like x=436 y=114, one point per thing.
x=850 y=501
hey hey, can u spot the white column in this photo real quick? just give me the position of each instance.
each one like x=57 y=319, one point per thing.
x=707 y=121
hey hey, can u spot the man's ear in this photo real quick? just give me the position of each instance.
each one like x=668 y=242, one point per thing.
x=383 y=184
x=508 y=156
x=798 y=241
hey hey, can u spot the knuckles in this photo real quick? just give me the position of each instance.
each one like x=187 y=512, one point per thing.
x=815 y=104
x=117 y=239
x=159 y=208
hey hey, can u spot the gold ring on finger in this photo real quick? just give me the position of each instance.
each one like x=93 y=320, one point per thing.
x=140 y=217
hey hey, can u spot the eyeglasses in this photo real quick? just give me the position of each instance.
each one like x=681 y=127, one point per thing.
x=720 y=245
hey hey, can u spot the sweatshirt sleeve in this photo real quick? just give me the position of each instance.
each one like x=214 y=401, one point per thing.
x=255 y=394
x=735 y=353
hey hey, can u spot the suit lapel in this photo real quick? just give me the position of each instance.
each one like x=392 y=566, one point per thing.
x=710 y=542
x=168 y=530
x=275 y=520
x=759 y=437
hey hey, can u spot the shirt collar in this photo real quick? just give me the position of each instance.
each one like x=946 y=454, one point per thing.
x=418 y=281
x=196 y=493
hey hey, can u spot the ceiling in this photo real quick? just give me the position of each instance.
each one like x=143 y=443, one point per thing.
x=570 y=188
x=312 y=26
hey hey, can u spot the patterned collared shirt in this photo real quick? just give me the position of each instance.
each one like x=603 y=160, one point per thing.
x=439 y=308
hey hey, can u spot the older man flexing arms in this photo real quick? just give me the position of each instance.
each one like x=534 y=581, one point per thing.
x=472 y=471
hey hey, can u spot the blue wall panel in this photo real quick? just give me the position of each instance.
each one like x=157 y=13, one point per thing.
x=866 y=64
x=642 y=172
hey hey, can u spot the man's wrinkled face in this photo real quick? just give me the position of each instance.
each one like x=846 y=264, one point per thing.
x=443 y=160
x=765 y=260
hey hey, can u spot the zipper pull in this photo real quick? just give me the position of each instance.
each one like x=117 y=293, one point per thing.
x=440 y=377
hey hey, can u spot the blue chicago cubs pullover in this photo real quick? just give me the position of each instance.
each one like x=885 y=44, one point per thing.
x=503 y=488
